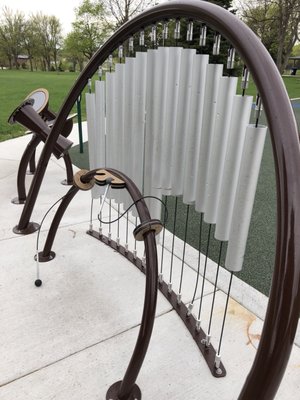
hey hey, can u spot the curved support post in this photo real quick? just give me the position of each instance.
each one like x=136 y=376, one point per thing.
x=125 y=389
x=32 y=166
x=68 y=126
x=25 y=160
x=69 y=170
x=28 y=157
x=47 y=254
x=284 y=303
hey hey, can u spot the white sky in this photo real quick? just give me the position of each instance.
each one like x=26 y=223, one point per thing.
x=62 y=9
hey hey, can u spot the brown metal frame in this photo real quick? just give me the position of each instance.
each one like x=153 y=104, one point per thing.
x=284 y=303
x=28 y=158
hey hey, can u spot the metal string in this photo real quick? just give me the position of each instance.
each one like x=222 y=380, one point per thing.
x=215 y=288
x=100 y=222
x=135 y=239
x=91 y=215
x=184 y=246
x=163 y=240
x=258 y=109
x=109 y=219
x=118 y=224
x=225 y=313
x=127 y=227
x=199 y=258
x=173 y=240
x=204 y=272
x=39 y=231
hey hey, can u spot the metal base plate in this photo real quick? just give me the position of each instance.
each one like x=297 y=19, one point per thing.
x=31 y=227
x=16 y=200
x=45 y=258
x=112 y=393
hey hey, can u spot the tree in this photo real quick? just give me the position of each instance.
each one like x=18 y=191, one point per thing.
x=12 y=27
x=31 y=42
x=276 y=22
x=90 y=28
x=72 y=51
x=123 y=10
x=48 y=33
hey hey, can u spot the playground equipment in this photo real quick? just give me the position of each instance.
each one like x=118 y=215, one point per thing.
x=197 y=125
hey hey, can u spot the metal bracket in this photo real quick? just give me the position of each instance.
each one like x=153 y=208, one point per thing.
x=81 y=185
x=103 y=177
x=151 y=225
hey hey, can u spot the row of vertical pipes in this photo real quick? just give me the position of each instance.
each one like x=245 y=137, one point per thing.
x=245 y=79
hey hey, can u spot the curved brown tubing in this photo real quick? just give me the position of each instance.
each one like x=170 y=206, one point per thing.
x=284 y=304
x=150 y=299
x=26 y=159
x=124 y=388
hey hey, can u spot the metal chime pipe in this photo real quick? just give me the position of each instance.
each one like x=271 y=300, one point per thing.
x=100 y=123
x=245 y=194
x=240 y=117
x=226 y=92
x=139 y=103
x=213 y=77
x=182 y=120
x=194 y=128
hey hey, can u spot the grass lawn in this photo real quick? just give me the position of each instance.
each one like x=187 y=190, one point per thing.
x=16 y=85
x=292 y=84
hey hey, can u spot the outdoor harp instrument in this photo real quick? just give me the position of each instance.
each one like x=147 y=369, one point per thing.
x=172 y=121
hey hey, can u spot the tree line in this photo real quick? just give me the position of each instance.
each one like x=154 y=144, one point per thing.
x=39 y=37
x=276 y=22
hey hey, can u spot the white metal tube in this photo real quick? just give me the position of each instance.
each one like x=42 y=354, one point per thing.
x=149 y=122
x=239 y=121
x=110 y=110
x=128 y=133
x=127 y=100
x=170 y=117
x=213 y=75
x=92 y=139
x=117 y=118
x=152 y=94
x=159 y=113
x=100 y=124
x=182 y=119
x=194 y=127
x=118 y=129
x=138 y=120
x=91 y=127
x=218 y=149
x=139 y=112
x=245 y=194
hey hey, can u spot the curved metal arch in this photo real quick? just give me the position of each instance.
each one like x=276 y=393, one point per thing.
x=284 y=304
